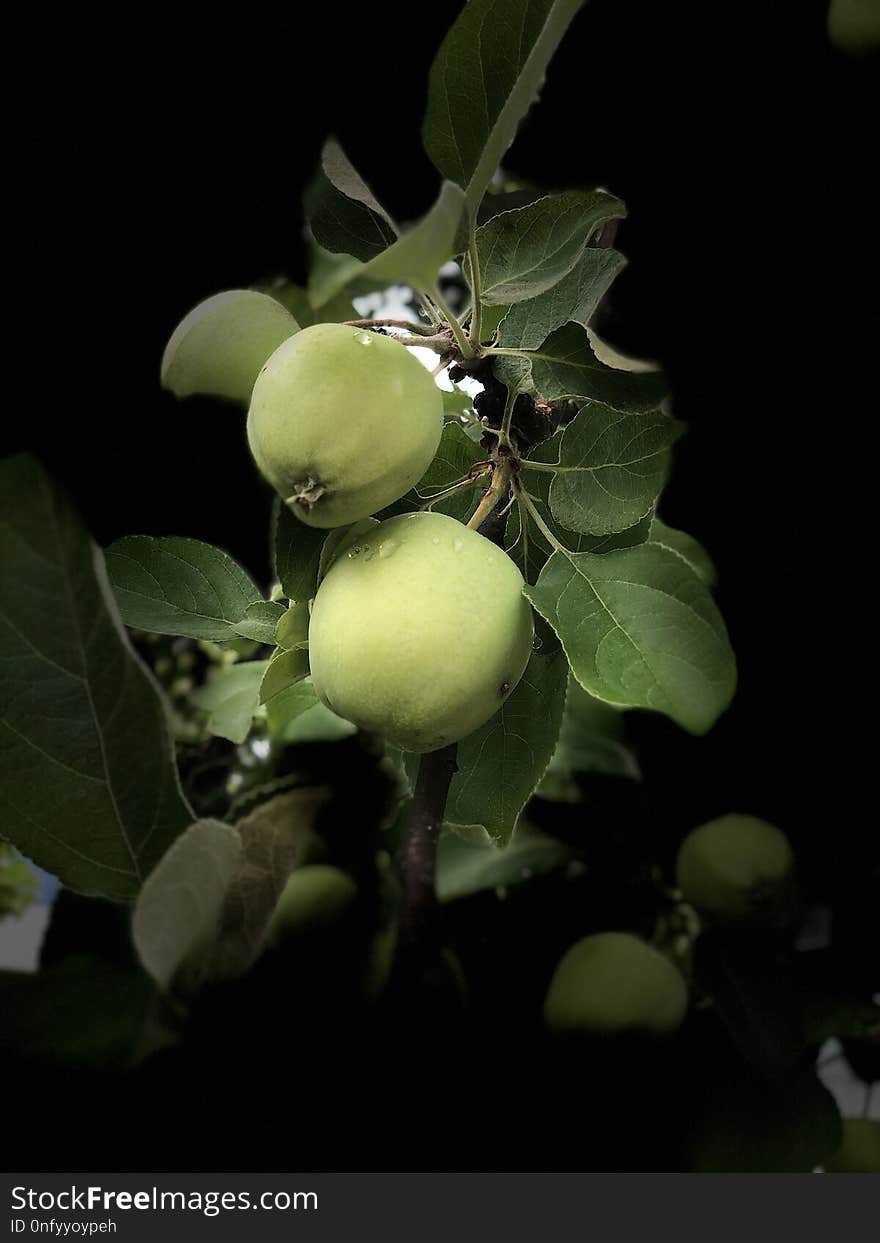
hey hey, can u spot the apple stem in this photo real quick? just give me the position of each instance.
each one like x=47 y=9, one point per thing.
x=501 y=477
x=418 y=851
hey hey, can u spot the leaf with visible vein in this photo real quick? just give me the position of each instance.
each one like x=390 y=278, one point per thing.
x=612 y=467
x=484 y=79
x=565 y=366
x=342 y=211
x=526 y=252
x=88 y=785
x=500 y=764
x=179 y=586
x=640 y=629
x=573 y=300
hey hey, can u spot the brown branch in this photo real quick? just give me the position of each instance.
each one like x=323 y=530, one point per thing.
x=418 y=851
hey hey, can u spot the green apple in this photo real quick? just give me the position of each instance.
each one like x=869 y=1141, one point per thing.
x=736 y=867
x=342 y=422
x=615 y=982
x=314 y=897
x=854 y=26
x=420 y=631
x=859 y=1152
x=219 y=348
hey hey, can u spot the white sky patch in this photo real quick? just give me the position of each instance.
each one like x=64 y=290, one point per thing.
x=395 y=303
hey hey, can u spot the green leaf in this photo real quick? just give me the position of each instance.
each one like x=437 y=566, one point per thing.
x=414 y=259
x=231 y=697
x=485 y=77
x=464 y=869
x=179 y=586
x=342 y=211
x=293 y=628
x=565 y=366
x=275 y=838
x=177 y=915
x=260 y=620
x=417 y=255
x=297 y=301
x=611 y=468
x=220 y=347
x=285 y=669
x=573 y=300
x=640 y=629
x=526 y=252
x=500 y=764
x=296 y=554
x=528 y=545
x=591 y=740
x=88 y=785
x=81 y=1012
x=297 y=715
x=686 y=546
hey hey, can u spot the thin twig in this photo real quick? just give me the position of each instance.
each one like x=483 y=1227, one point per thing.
x=421 y=329
x=499 y=486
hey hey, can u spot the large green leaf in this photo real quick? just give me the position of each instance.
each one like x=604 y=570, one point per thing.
x=296 y=553
x=220 y=347
x=524 y=253
x=573 y=300
x=177 y=914
x=500 y=764
x=485 y=77
x=464 y=869
x=88 y=784
x=640 y=629
x=566 y=366
x=342 y=211
x=611 y=468
x=179 y=586
x=260 y=621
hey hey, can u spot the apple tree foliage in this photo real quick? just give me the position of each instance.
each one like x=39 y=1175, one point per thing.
x=565 y=467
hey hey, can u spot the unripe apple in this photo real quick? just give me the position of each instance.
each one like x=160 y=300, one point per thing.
x=736 y=867
x=420 y=631
x=859 y=1152
x=615 y=982
x=342 y=422
x=314 y=897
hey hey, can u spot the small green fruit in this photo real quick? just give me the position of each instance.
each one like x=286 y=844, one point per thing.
x=859 y=1153
x=314 y=898
x=343 y=422
x=736 y=867
x=420 y=631
x=615 y=982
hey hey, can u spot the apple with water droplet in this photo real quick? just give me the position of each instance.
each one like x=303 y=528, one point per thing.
x=420 y=631
x=342 y=422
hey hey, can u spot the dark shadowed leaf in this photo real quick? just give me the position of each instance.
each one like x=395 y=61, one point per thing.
x=464 y=869
x=500 y=764
x=342 y=211
x=176 y=918
x=296 y=553
x=88 y=784
x=485 y=77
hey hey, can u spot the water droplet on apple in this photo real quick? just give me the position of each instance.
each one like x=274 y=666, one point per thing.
x=364 y=338
x=435 y=540
x=368 y=552
x=387 y=547
x=355 y=552
x=457 y=544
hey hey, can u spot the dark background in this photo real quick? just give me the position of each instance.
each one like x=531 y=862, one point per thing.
x=155 y=160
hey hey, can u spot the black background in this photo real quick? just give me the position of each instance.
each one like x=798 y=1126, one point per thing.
x=157 y=159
